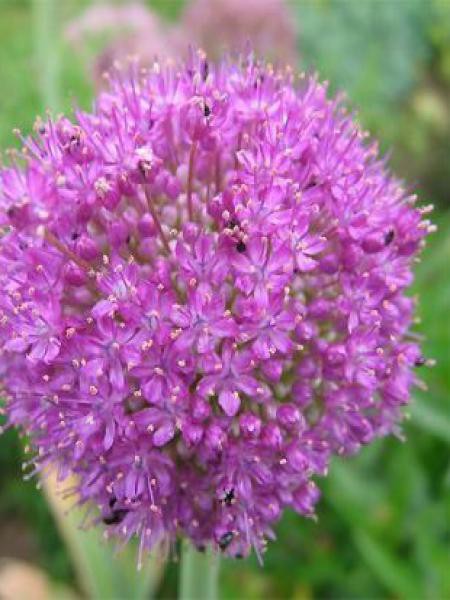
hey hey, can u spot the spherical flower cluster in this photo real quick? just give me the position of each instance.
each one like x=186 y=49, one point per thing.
x=269 y=25
x=133 y=29
x=118 y=30
x=202 y=298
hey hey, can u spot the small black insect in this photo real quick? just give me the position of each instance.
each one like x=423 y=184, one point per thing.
x=389 y=237
x=75 y=140
x=228 y=497
x=116 y=516
x=232 y=224
x=206 y=111
x=241 y=247
x=420 y=362
x=225 y=540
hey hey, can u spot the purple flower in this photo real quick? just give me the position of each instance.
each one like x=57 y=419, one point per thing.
x=231 y=376
x=261 y=269
x=132 y=29
x=202 y=322
x=203 y=299
x=119 y=30
x=218 y=24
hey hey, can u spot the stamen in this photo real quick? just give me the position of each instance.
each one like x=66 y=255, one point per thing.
x=189 y=181
x=156 y=220
x=239 y=144
x=218 y=174
x=53 y=240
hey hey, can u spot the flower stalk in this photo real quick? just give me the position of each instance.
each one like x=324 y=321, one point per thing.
x=45 y=13
x=199 y=574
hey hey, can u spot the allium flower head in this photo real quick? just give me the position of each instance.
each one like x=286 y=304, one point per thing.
x=217 y=24
x=133 y=29
x=119 y=31
x=202 y=298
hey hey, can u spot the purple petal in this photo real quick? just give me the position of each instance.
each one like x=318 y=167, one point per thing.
x=229 y=402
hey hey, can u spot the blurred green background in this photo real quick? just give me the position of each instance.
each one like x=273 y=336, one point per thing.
x=383 y=527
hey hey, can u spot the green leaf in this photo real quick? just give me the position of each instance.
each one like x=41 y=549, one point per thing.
x=430 y=418
x=391 y=571
x=102 y=573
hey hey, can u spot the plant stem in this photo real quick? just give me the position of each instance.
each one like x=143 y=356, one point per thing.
x=46 y=34
x=199 y=574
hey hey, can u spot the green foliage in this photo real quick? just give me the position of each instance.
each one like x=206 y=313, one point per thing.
x=102 y=571
x=342 y=41
x=170 y=9
x=393 y=61
x=21 y=502
x=19 y=99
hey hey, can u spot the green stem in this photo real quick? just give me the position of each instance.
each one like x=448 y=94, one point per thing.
x=47 y=51
x=199 y=574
